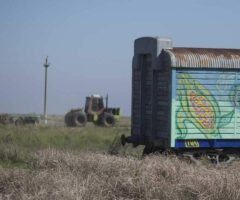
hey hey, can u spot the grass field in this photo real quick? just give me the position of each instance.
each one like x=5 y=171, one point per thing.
x=55 y=162
x=17 y=143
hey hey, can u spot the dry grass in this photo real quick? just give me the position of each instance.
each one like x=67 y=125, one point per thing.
x=64 y=175
x=56 y=162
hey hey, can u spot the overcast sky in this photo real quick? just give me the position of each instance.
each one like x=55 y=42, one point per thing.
x=90 y=45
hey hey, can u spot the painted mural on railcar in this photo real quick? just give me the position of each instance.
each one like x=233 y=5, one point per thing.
x=206 y=104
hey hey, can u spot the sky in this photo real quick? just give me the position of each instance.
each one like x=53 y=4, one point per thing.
x=90 y=45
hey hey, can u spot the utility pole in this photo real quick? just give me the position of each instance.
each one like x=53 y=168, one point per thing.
x=107 y=101
x=46 y=65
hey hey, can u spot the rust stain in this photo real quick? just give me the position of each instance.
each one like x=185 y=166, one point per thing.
x=206 y=57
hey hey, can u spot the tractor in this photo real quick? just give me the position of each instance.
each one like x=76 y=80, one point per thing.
x=6 y=119
x=94 y=111
x=18 y=119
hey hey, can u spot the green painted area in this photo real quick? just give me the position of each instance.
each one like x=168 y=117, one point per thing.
x=206 y=105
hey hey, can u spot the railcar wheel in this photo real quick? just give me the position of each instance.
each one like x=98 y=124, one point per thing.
x=150 y=148
x=222 y=158
x=215 y=157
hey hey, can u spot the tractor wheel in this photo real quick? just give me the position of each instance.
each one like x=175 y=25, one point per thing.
x=19 y=122
x=79 y=119
x=108 y=120
x=36 y=122
x=4 y=119
x=11 y=120
x=68 y=119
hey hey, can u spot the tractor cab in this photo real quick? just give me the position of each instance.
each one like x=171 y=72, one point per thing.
x=94 y=104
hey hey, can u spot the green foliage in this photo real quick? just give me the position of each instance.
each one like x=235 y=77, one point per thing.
x=199 y=107
x=34 y=138
x=19 y=144
x=226 y=119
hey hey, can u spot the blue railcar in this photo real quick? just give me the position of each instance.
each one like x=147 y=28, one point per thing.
x=185 y=99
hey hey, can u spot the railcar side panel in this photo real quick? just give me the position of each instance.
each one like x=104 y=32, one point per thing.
x=205 y=108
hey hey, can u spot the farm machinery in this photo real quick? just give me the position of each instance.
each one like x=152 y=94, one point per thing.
x=18 y=120
x=94 y=111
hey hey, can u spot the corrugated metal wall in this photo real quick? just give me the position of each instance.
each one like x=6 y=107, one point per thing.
x=146 y=94
x=136 y=100
x=150 y=91
x=142 y=96
x=204 y=58
x=207 y=104
x=151 y=100
x=162 y=102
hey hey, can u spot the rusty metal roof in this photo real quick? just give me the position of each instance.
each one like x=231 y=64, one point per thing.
x=204 y=58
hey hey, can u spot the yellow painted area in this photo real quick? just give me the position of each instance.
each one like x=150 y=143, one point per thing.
x=192 y=144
